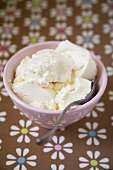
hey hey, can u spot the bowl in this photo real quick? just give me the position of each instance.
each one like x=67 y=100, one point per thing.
x=47 y=118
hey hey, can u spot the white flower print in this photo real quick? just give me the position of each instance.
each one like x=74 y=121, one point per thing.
x=85 y=4
x=61 y=12
x=60 y=167
x=112 y=120
x=14 y=107
x=110 y=70
x=88 y=39
x=8 y=30
x=6 y=48
x=20 y=160
x=109 y=48
x=32 y=38
x=36 y=5
x=57 y=147
x=108 y=28
x=2 y=65
x=107 y=8
x=3 y=116
x=94 y=163
x=21 y=113
x=35 y=22
x=0 y=143
x=2 y=90
x=98 y=108
x=110 y=93
x=61 y=31
x=97 y=55
x=87 y=19
x=92 y=134
x=10 y=14
x=24 y=131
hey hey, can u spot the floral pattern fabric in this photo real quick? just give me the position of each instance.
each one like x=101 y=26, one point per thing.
x=86 y=144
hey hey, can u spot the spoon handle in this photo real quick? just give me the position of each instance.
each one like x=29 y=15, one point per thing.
x=47 y=137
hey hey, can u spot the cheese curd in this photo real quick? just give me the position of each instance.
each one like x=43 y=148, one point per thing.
x=51 y=79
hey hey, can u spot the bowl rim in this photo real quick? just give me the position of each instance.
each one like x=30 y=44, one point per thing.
x=13 y=96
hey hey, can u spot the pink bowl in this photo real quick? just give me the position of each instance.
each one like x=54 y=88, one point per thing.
x=47 y=118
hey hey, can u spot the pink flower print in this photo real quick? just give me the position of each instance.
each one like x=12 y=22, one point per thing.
x=8 y=30
x=6 y=48
x=10 y=14
x=61 y=12
x=58 y=147
x=61 y=31
x=107 y=8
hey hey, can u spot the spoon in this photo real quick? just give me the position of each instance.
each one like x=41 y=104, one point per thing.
x=47 y=137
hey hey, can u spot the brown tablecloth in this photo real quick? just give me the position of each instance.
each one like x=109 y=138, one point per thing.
x=87 y=144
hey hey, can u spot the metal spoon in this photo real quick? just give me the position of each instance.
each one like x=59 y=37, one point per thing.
x=47 y=137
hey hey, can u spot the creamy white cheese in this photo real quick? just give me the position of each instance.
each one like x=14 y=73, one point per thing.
x=51 y=79
x=31 y=93
x=84 y=65
x=79 y=90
